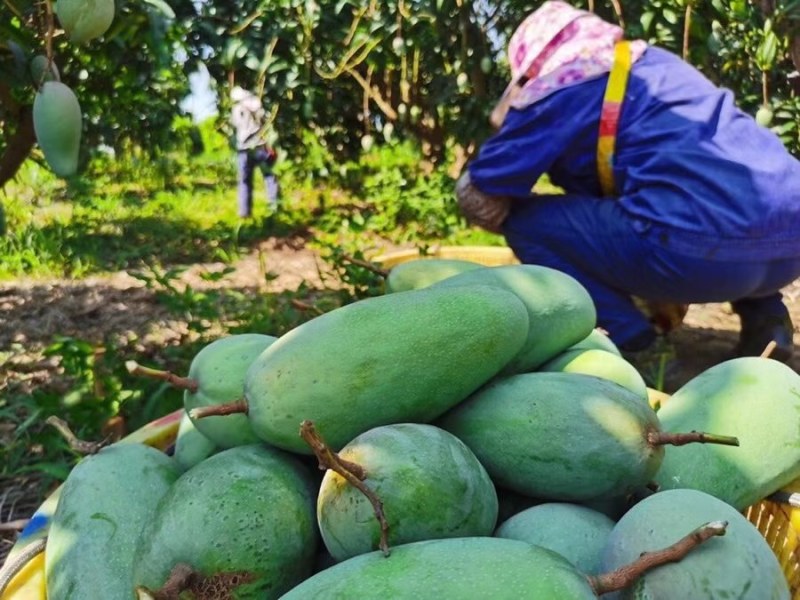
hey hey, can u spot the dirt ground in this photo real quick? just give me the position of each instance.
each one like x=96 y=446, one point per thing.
x=31 y=313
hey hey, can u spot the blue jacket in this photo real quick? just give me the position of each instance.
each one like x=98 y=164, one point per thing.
x=689 y=164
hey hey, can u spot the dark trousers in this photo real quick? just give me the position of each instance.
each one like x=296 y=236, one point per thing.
x=247 y=161
x=595 y=241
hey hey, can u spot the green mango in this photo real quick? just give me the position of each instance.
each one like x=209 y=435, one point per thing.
x=739 y=564
x=422 y=272
x=559 y=436
x=243 y=519
x=85 y=20
x=450 y=569
x=599 y=363
x=104 y=504
x=575 y=532
x=191 y=446
x=57 y=122
x=219 y=370
x=755 y=399
x=431 y=486
x=560 y=311
x=403 y=357
x=596 y=340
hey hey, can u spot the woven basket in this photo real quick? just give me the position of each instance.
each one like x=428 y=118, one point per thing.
x=772 y=518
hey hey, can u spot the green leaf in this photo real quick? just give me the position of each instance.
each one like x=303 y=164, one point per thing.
x=646 y=20
x=162 y=7
x=670 y=16
x=767 y=51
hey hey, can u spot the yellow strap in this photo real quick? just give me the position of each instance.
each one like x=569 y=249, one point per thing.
x=609 y=115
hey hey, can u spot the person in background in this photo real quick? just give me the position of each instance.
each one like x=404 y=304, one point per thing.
x=672 y=194
x=252 y=150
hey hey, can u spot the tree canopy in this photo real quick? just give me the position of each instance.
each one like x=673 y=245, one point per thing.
x=355 y=71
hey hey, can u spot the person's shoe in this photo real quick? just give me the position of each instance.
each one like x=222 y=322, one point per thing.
x=657 y=363
x=758 y=330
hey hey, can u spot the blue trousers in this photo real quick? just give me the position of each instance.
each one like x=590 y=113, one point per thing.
x=247 y=161
x=595 y=241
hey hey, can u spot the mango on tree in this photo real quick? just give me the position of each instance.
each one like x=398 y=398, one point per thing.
x=57 y=122
x=84 y=20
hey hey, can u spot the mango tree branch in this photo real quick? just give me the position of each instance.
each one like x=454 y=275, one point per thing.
x=21 y=142
x=625 y=576
x=352 y=472
x=374 y=94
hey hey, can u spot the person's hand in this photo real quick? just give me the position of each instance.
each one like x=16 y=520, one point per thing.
x=481 y=209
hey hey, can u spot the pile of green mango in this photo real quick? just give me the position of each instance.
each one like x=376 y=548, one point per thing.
x=467 y=434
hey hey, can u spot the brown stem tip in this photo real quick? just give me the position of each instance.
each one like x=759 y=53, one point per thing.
x=176 y=381
x=661 y=438
x=352 y=472
x=627 y=575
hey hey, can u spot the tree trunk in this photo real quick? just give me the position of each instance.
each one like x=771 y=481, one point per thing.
x=19 y=146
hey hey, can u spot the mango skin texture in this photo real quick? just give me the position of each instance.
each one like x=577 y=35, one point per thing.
x=247 y=510
x=430 y=483
x=85 y=20
x=420 y=273
x=219 y=370
x=755 y=399
x=576 y=532
x=404 y=357
x=191 y=446
x=104 y=504
x=559 y=436
x=57 y=122
x=450 y=569
x=739 y=564
x=560 y=311
x=599 y=363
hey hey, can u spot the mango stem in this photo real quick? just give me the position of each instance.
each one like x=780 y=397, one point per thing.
x=176 y=381
x=661 y=438
x=352 y=472
x=626 y=575
x=220 y=410
x=82 y=447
